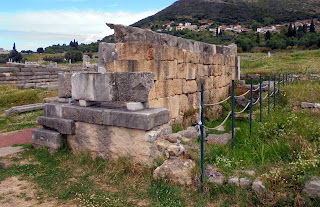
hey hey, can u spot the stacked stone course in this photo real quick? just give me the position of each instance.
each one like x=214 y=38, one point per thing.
x=180 y=66
x=31 y=76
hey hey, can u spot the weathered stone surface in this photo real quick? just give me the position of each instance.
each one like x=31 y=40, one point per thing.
x=173 y=150
x=214 y=176
x=191 y=132
x=242 y=182
x=4 y=151
x=133 y=86
x=157 y=132
x=107 y=52
x=241 y=101
x=47 y=138
x=53 y=110
x=24 y=108
x=173 y=137
x=258 y=187
x=110 y=142
x=5 y=164
x=135 y=106
x=162 y=144
x=93 y=115
x=64 y=81
x=307 y=105
x=51 y=99
x=312 y=188
x=144 y=119
x=218 y=139
x=178 y=171
x=63 y=126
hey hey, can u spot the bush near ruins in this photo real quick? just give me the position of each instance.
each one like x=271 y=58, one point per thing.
x=74 y=55
x=58 y=59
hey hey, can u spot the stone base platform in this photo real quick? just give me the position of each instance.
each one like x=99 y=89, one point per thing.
x=108 y=131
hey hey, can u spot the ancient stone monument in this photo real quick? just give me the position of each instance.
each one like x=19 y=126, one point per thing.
x=180 y=66
x=143 y=81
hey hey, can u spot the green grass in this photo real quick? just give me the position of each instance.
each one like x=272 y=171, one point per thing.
x=11 y=96
x=297 y=62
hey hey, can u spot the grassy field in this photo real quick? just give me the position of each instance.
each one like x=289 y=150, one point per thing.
x=297 y=62
x=11 y=96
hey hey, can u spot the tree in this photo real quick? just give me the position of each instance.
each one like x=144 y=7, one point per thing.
x=294 y=32
x=312 y=27
x=258 y=38
x=40 y=50
x=290 y=31
x=15 y=56
x=305 y=28
x=74 y=55
x=267 y=36
x=14 y=46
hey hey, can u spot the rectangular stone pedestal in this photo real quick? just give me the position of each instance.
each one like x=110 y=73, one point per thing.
x=47 y=138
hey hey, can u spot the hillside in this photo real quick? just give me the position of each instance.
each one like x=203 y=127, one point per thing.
x=238 y=11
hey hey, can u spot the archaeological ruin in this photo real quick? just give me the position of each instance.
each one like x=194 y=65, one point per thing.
x=144 y=82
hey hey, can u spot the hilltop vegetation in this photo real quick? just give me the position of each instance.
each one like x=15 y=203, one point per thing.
x=238 y=11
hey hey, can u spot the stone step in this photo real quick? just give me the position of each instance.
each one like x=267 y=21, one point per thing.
x=24 y=108
x=47 y=138
x=63 y=126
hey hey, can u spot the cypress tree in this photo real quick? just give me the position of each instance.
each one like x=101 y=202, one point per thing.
x=258 y=38
x=304 y=28
x=294 y=32
x=290 y=32
x=267 y=36
x=312 y=27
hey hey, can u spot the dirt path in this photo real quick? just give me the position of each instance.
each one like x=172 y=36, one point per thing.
x=16 y=137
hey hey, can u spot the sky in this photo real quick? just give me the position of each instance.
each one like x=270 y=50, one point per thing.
x=40 y=23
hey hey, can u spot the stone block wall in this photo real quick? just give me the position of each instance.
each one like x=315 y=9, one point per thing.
x=180 y=66
x=30 y=76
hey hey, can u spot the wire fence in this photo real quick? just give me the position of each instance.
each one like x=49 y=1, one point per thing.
x=286 y=79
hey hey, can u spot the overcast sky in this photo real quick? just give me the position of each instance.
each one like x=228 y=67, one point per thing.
x=41 y=23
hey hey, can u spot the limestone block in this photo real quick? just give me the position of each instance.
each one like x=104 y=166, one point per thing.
x=160 y=103
x=172 y=69
x=53 y=110
x=145 y=119
x=24 y=108
x=192 y=101
x=64 y=82
x=160 y=89
x=312 y=188
x=153 y=92
x=218 y=139
x=110 y=142
x=208 y=84
x=174 y=87
x=123 y=66
x=135 y=106
x=157 y=132
x=63 y=126
x=133 y=86
x=189 y=86
x=181 y=70
x=183 y=102
x=91 y=115
x=191 y=71
x=107 y=52
x=47 y=138
x=135 y=51
x=174 y=106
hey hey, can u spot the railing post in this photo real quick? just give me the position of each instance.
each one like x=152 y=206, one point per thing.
x=268 y=94
x=274 y=92
x=251 y=96
x=286 y=79
x=202 y=137
x=279 y=85
x=260 y=90
x=232 y=114
x=282 y=79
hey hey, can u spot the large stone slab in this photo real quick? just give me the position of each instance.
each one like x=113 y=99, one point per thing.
x=47 y=138
x=64 y=126
x=53 y=110
x=93 y=115
x=107 y=52
x=24 y=108
x=110 y=142
x=144 y=119
x=4 y=151
x=111 y=87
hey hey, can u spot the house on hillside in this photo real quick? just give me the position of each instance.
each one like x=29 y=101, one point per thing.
x=203 y=27
x=267 y=29
x=3 y=51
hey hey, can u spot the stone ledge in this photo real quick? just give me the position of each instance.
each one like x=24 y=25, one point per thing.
x=47 y=138
x=145 y=119
x=63 y=126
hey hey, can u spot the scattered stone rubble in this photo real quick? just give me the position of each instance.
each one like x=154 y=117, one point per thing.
x=305 y=105
x=23 y=108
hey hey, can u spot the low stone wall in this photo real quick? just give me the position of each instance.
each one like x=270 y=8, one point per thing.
x=30 y=76
x=180 y=66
